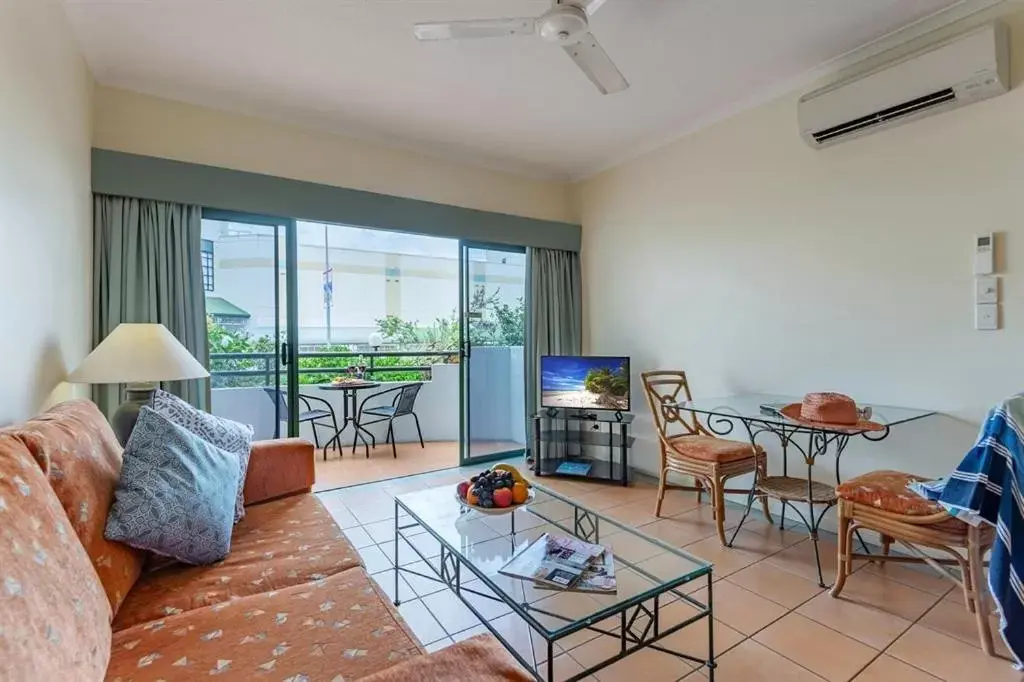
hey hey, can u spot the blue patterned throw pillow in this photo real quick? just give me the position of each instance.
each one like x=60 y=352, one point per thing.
x=176 y=496
x=232 y=436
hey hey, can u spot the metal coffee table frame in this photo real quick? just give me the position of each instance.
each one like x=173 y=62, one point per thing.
x=639 y=626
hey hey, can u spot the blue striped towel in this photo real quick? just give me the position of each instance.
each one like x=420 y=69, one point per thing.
x=975 y=491
x=932 y=490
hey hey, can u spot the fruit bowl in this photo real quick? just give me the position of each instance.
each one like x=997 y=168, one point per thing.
x=498 y=490
x=495 y=511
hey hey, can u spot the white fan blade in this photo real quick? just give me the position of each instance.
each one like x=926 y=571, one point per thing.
x=598 y=66
x=590 y=6
x=484 y=28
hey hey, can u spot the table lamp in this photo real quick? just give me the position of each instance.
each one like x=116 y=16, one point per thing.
x=139 y=355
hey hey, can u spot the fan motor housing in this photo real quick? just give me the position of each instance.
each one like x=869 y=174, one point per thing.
x=563 y=24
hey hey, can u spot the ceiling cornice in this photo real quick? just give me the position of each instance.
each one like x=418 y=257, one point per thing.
x=978 y=10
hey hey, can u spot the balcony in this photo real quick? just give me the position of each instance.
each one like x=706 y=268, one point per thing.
x=240 y=383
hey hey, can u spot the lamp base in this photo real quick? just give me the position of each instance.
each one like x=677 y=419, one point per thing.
x=136 y=396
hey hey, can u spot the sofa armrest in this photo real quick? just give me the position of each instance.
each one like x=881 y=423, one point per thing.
x=278 y=468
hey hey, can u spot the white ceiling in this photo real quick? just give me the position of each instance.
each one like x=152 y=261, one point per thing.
x=353 y=67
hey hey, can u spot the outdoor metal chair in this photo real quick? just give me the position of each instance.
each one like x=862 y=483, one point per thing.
x=308 y=413
x=402 y=405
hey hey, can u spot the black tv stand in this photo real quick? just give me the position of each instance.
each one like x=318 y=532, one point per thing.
x=597 y=442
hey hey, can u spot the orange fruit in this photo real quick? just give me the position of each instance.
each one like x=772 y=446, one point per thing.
x=471 y=497
x=519 y=493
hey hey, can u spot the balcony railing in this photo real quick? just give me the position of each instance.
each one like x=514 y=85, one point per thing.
x=236 y=370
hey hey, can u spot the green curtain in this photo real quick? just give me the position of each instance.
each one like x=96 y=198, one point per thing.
x=147 y=268
x=554 y=313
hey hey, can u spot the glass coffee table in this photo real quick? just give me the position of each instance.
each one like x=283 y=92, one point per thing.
x=660 y=589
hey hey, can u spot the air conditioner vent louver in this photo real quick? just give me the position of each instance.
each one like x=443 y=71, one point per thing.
x=941 y=77
x=885 y=115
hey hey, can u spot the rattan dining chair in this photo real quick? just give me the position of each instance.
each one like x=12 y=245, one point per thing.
x=696 y=452
x=880 y=501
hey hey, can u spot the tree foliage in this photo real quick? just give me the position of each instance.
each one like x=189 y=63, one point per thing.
x=611 y=386
x=498 y=324
x=493 y=323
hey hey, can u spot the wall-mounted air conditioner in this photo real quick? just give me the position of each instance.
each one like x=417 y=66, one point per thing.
x=963 y=70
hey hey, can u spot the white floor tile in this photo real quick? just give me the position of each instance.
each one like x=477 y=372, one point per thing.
x=423 y=624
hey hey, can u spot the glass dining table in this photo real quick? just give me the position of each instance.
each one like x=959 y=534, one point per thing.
x=754 y=414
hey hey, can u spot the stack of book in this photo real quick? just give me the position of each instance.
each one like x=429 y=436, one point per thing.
x=558 y=562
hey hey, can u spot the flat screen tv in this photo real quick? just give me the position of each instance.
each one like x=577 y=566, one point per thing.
x=584 y=382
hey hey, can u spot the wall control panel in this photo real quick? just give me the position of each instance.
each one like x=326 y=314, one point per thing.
x=986 y=284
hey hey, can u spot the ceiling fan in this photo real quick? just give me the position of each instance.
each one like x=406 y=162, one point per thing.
x=566 y=24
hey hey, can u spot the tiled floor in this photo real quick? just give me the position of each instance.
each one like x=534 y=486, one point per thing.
x=773 y=622
x=346 y=469
x=350 y=469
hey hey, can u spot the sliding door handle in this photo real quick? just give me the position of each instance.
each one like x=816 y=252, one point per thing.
x=284 y=354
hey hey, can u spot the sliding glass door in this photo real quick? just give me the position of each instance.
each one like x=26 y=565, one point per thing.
x=369 y=303
x=492 y=330
x=247 y=283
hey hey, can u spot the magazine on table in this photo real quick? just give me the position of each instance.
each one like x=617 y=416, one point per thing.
x=563 y=563
x=598 y=577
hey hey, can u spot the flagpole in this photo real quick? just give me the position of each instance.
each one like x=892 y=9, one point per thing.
x=328 y=283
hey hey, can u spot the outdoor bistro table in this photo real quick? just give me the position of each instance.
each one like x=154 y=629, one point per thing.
x=758 y=413
x=349 y=389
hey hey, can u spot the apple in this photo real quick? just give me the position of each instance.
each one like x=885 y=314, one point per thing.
x=462 y=489
x=503 y=497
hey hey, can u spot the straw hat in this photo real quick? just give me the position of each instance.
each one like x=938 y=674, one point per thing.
x=833 y=411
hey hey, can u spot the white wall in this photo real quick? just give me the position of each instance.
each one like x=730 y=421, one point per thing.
x=140 y=124
x=758 y=264
x=45 y=206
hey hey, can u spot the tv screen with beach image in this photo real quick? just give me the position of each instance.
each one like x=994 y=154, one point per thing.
x=596 y=383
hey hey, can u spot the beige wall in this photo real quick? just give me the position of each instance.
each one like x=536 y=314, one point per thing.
x=45 y=214
x=758 y=264
x=140 y=124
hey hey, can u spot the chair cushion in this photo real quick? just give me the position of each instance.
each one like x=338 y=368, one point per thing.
x=54 y=616
x=81 y=458
x=477 y=659
x=278 y=544
x=711 y=449
x=176 y=496
x=887 y=490
x=338 y=628
x=228 y=435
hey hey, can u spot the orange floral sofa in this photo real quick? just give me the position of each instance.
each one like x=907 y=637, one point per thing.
x=291 y=602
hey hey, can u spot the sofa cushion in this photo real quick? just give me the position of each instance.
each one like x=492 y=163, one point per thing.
x=338 y=628
x=54 y=616
x=477 y=659
x=234 y=437
x=286 y=542
x=78 y=452
x=176 y=496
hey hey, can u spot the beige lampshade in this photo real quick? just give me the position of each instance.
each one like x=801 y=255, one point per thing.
x=137 y=353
